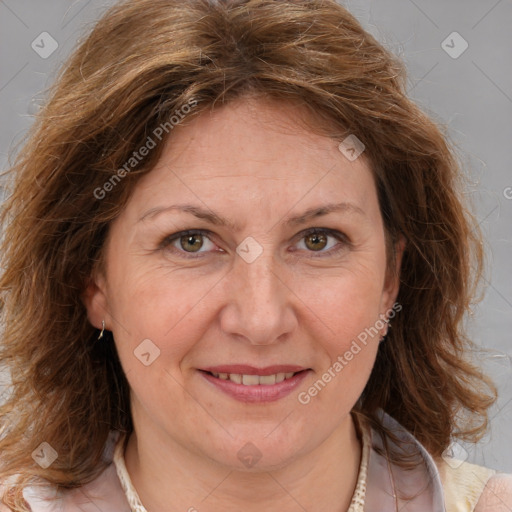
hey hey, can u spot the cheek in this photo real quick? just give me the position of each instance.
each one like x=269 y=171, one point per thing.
x=344 y=301
x=346 y=315
x=349 y=346
x=168 y=307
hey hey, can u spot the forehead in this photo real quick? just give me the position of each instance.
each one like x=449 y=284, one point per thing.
x=254 y=129
x=254 y=153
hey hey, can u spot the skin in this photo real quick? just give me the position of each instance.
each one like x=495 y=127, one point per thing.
x=251 y=162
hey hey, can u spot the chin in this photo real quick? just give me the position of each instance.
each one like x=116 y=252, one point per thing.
x=255 y=453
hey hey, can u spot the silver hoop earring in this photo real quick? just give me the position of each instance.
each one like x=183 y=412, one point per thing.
x=102 y=329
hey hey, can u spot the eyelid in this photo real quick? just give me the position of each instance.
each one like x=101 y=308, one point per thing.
x=339 y=235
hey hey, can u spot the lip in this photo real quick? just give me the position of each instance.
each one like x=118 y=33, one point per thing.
x=244 y=369
x=258 y=393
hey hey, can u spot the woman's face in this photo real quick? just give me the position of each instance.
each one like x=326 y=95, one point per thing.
x=254 y=293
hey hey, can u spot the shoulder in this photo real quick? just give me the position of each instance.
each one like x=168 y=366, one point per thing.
x=497 y=494
x=464 y=487
x=473 y=488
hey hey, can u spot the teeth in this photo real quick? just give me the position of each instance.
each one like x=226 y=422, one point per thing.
x=267 y=380
x=250 y=380
x=235 y=378
x=254 y=380
x=279 y=377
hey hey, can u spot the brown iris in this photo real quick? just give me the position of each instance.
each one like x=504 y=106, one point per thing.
x=195 y=242
x=315 y=239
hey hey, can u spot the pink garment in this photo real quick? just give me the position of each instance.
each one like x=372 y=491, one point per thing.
x=385 y=480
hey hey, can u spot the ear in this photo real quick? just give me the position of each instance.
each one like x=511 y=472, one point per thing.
x=392 y=280
x=95 y=299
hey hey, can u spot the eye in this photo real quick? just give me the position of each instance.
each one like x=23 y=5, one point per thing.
x=188 y=242
x=316 y=240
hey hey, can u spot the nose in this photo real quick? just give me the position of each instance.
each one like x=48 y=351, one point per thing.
x=259 y=304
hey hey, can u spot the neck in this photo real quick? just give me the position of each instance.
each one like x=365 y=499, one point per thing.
x=165 y=472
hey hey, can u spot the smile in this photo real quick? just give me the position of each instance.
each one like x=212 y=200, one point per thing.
x=252 y=385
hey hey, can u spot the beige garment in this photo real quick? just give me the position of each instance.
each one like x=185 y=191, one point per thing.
x=471 y=488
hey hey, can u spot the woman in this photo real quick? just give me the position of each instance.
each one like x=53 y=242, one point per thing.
x=220 y=212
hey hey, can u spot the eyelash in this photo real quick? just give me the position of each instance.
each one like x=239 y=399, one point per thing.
x=168 y=240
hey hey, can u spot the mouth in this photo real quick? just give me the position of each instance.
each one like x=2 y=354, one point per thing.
x=249 y=384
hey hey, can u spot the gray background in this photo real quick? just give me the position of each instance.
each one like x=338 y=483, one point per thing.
x=471 y=93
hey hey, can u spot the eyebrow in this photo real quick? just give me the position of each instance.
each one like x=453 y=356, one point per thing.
x=218 y=220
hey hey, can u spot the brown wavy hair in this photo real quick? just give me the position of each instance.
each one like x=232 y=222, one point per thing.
x=141 y=63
